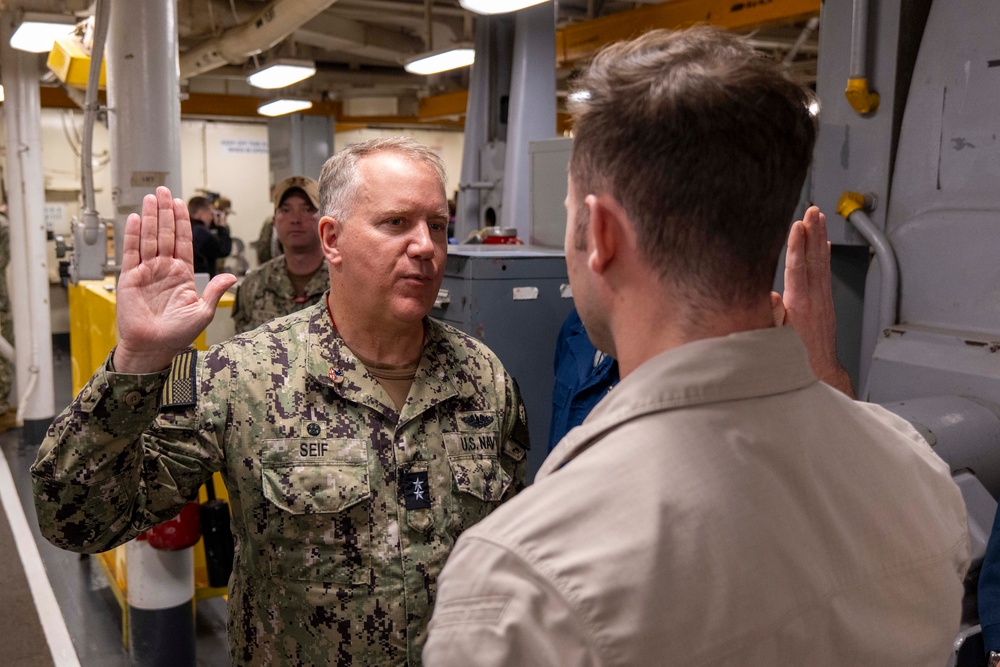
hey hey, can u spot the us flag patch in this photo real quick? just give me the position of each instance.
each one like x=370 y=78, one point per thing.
x=179 y=390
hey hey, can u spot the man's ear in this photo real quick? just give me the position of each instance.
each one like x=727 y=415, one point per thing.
x=609 y=231
x=329 y=238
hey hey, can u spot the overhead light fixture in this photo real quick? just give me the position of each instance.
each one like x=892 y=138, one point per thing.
x=282 y=72
x=38 y=32
x=441 y=61
x=283 y=106
x=498 y=6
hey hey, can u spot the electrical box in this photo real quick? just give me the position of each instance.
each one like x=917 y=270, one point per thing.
x=70 y=62
x=549 y=169
x=514 y=299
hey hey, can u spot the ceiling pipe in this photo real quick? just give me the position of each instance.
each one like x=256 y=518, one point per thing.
x=278 y=20
x=391 y=6
x=46 y=6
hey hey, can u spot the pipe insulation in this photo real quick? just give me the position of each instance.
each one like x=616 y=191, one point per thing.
x=26 y=208
x=91 y=221
x=278 y=20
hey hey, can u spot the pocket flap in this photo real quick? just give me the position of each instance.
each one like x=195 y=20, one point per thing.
x=315 y=477
x=480 y=476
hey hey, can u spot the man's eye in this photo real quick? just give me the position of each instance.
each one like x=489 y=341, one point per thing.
x=395 y=222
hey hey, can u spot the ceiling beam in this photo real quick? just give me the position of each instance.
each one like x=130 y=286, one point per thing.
x=340 y=34
x=580 y=40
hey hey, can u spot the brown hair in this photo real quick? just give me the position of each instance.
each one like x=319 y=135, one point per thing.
x=705 y=143
x=197 y=204
x=339 y=179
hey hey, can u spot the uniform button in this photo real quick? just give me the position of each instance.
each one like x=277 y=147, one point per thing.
x=133 y=398
x=85 y=395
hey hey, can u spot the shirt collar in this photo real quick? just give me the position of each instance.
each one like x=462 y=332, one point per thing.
x=742 y=365
x=331 y=363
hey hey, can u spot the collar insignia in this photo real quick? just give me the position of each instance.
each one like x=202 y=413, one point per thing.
x=416 y=490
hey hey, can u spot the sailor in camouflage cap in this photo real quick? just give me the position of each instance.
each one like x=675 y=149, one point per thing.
x=358 y=438
x=298 y=278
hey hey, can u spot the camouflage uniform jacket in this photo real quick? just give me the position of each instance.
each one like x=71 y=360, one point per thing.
x=343 y=510
x=267 y=293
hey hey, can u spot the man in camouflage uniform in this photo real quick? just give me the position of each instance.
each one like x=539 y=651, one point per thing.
x=6 y=319
x=297 y=279
x=357 y=438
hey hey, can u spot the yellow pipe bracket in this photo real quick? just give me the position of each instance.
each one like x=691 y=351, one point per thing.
x=849 y=202
x=859 y=97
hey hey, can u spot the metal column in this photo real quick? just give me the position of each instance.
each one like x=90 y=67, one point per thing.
x=144 y=120
x=532 y=109
x=29 y=263
x=485 y=123
x=476 y=134
x=144 y=108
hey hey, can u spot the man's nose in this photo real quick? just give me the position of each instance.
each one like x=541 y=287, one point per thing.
x=421 y=244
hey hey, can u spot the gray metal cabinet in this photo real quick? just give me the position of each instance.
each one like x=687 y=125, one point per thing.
x=514 y=299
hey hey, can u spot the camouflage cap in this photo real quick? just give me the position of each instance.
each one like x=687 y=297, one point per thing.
x=306 y=185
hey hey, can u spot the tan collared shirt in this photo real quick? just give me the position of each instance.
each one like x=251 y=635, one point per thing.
x=720 y=507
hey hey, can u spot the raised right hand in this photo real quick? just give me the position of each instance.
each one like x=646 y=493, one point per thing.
x=159 y=311
x=807 y=303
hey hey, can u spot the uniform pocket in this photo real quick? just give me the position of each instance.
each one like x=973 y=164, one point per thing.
x=318 y=495
x=480 y=476
x=474 y=457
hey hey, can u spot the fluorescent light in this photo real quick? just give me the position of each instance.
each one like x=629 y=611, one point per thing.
x=279 y=107
x=442 y=61
x=281 y=73
x=498 y=6
x=2 y=97
x=38 y=32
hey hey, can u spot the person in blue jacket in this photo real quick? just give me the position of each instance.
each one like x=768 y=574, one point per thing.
x=989 y=593
x=584 y=375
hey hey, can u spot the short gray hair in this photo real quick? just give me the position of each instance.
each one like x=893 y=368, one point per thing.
x=338 y=182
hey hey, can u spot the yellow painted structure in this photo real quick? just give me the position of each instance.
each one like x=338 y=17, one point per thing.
x=93 y=333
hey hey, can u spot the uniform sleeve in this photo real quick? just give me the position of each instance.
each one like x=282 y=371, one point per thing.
x=493 y=609
x=241 y=305
x=514 y=454
x=112 y=466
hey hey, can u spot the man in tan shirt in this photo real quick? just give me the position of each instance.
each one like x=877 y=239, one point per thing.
x=721 y=506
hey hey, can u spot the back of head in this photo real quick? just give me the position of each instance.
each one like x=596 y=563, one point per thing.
x=338 y=180
x=705 y=143
x=198 y=204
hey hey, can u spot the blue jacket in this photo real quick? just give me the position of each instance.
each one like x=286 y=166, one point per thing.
x=579 y=385
x=989 y=590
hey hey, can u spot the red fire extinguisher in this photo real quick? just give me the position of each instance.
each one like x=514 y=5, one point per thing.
x=178 y=533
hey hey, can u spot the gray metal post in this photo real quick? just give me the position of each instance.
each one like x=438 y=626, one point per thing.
x=144 y=119
x=26 y=190
x=476 y=134
x=532 y=109
x=144 y=109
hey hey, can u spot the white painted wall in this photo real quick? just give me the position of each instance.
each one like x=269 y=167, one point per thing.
x=222 y=156
x=447 y=144
x=226 y=157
